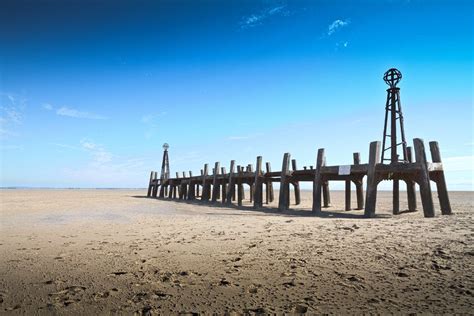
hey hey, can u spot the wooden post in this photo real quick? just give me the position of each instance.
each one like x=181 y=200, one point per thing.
x=205 y=195
x=411 y=192
x=171 y=189
x=224 y=185
x=284 y=198
x=162 y=189
x=396 y=196
x=424 y=178
x=326 y=195
x=192 y=187
x=440 y=181
x=269 y=186
x=155 y=187
x=348 y=195
x=215 y=183
x=296 y=184
x=178 y=187
x=184 y=187
x=317 y=182
x=359 y=185
x=231 y=187
x=150 y=184
x=240 y=188
x=372 y=181
x=251 y=186
x=258 y=184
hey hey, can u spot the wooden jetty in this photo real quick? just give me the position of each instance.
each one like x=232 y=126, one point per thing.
x=228 y=187
x=223 y=187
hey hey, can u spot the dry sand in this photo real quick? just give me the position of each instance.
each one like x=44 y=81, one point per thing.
x=114 y=251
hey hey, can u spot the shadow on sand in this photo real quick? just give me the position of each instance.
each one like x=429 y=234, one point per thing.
x=268 y=210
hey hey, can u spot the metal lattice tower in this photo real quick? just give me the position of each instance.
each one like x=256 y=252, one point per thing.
x=393 y=109
x=165 y=165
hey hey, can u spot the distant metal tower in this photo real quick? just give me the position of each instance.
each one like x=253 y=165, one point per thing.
x=165 y=165
x=393 y=109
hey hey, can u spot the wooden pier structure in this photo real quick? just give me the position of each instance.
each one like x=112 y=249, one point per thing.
x=228 y=187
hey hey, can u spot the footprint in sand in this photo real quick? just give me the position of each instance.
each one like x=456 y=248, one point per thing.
x=70 y=295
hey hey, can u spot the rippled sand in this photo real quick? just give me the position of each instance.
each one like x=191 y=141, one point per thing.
x=102 y=251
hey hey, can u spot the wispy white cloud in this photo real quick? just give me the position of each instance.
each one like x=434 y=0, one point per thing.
x=12 y=107
x=341 y=45
x=336 y=25
x=70 y=112
x=47 y=106
x=258 y=18
x=98 y=152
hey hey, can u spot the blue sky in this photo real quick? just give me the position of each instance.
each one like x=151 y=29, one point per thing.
x=90 y=90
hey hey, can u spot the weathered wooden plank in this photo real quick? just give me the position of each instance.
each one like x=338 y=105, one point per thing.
x=372 y=181
x=296 y=184
x=359 y=185
x=440 y=180
x=258 y=184
x=284 y=198
x=411 y=191
x=317 y=182
x=424 y=178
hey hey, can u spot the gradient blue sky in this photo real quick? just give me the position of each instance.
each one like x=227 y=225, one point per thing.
x=90 y=90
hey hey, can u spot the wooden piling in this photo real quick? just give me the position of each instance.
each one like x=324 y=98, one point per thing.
x=150 y=184
x=154 y=192
x=296 y=184
x=240 y=188
x=424 y=178
x=411 y=191
x=191 y=188
x=348 y=195
x=206 y=187
x=215 y=183
x=372 y=181
x=359 y=185
x=317 y=182
x=396 y=197
x=284 y=198
x=231 y=186
x=326 y=195
x=251 y=185
x=258 y=184
x=440 y=180
x=269 y=186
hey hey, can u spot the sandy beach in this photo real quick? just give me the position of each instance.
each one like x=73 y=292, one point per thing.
x=115 y=251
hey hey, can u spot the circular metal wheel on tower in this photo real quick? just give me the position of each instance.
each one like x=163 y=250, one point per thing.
x=392 y=77
x=166 y=146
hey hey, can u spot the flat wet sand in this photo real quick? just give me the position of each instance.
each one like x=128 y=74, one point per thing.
x=115 y=251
